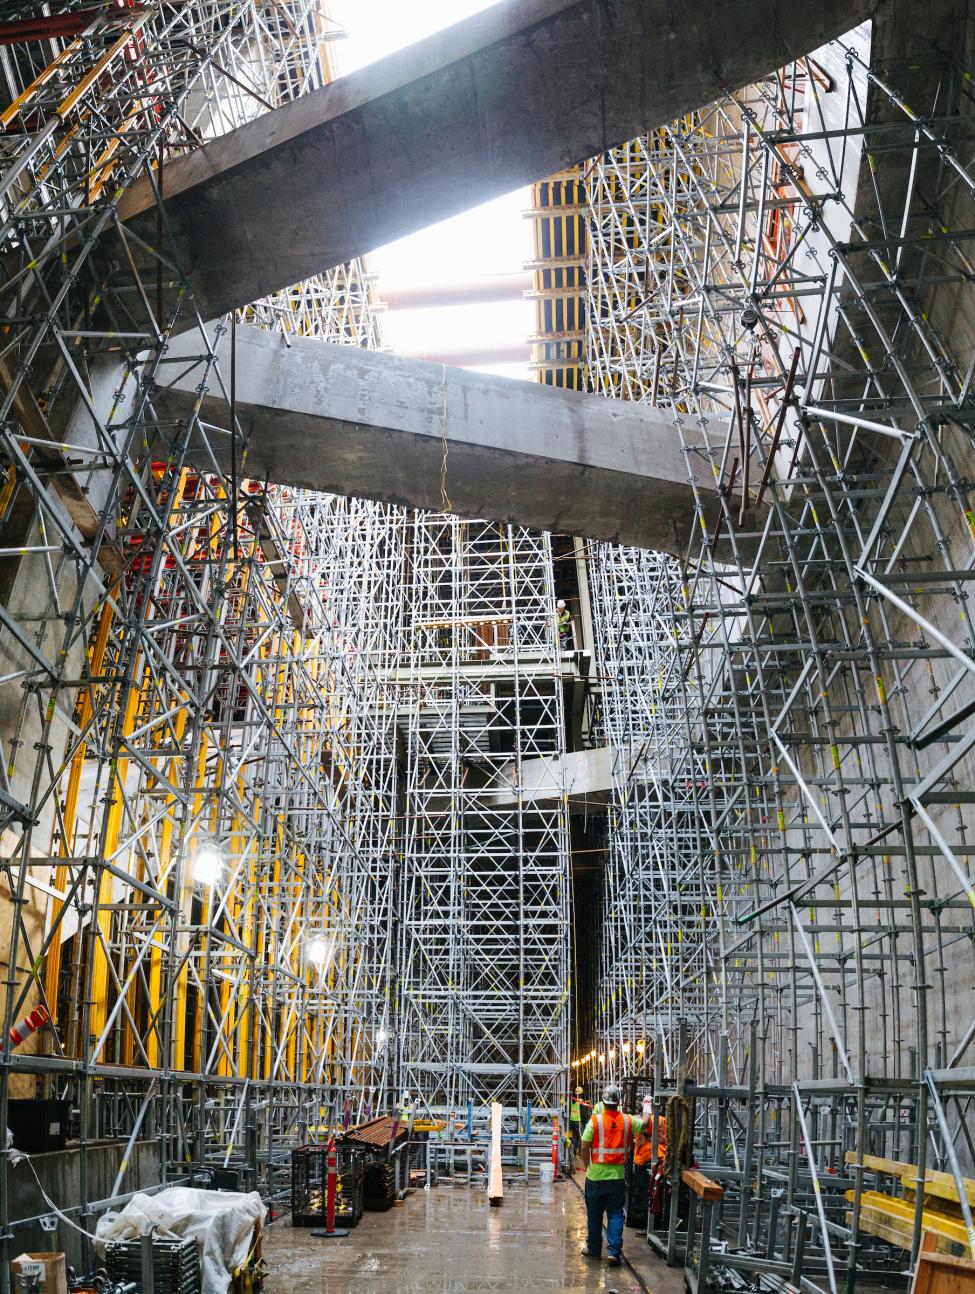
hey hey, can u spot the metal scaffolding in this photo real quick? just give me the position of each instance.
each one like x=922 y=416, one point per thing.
x=198 y=785
x=484 y=913
x=270 y=821
x=243 y=925
x=788 y=933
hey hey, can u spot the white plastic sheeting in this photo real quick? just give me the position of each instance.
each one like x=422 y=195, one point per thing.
x=222 y=1224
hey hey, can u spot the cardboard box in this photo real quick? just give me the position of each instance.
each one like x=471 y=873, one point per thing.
x=44 y=1272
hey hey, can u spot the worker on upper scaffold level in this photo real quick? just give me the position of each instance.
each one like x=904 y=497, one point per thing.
x=563 y=623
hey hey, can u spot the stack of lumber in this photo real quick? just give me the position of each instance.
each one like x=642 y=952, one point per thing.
x=891 y=1217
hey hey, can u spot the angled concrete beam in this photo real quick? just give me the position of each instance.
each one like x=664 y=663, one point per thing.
x=355 y=422
x=586 y=777
x=504 y=98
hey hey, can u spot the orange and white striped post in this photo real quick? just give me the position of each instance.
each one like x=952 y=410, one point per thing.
x=23 y=1029
x=331 y=1232
x=331 y=1177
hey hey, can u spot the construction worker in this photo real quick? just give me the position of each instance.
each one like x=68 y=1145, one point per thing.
x=638 y=1196
x=653 y=1124
x=606 y=1144
x=644 y=1152
x=563 y=623
x=578 y=1118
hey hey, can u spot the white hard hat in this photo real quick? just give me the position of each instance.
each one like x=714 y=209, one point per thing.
x=560 y=604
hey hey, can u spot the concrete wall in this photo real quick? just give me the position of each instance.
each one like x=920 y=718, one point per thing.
x=59 y=1173
x=42 y=592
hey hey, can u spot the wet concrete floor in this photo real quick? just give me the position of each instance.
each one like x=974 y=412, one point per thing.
x=449 y=1239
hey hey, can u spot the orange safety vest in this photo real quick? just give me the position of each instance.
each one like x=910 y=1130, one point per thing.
x=611 y=1138
x=643 y=1153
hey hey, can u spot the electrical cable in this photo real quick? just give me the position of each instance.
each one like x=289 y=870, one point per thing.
x=444 y=496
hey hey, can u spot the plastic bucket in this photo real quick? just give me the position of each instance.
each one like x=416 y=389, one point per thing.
x=546 y=1173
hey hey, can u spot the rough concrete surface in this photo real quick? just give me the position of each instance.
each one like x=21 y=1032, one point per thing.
x=376 y=426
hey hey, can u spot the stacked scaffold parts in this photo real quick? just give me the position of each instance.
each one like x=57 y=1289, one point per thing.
x=381 y=1141
x=379 y=1186
x=175 y=1265
x=98 y=1282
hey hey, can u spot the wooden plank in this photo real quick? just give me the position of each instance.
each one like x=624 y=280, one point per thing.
x=555 y=262
x=703 y=1187
x=935 y=1183
x=876 y=1164
x=547 y=213
x=495 y=1180
x=555 y=294
x=944 y=1186
x=895 y=1233
x=897 y=1214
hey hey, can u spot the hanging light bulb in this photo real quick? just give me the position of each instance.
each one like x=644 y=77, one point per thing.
x=208 y=866
x=317 y=952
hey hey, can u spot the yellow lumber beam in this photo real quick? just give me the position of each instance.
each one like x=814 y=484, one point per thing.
x=891 y=1211
x=877 y=1164
x=895 y=1233
x=935 y=1183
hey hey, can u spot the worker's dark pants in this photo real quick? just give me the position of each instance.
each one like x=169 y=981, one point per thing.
x=576 y=1129
x=608 y=1198
x=638 y=1194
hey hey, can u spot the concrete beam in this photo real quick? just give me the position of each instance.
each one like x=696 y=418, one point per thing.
x=355 y=422
x=506 y=97
x=588 y=778
x=585 y=776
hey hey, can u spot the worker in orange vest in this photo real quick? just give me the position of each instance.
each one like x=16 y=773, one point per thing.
x=606 y=1144
x=639 y=1195
x=644 y=1151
